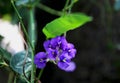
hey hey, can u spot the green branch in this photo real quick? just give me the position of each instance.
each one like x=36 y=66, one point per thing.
x=32 y=34
x=11 y=77
x=49 y=10
x=22 y=24
x=28 y=39
x=40 y=73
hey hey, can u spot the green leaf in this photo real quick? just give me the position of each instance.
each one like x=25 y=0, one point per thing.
x=17 y=62
x=64 y=24
x=5 y=54
x=22 y=2
x=1 y=61
x=1 y=37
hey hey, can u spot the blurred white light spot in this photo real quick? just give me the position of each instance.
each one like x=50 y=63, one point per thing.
x=12 y=40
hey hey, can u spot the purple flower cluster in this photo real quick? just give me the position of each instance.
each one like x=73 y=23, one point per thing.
x=58 y=51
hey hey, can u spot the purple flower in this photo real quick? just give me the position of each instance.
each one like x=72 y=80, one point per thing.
x=70 y=50
x=40 y=59
x=55 y=47
x=52 y=54
x=59 y=51
x=59 y=42
x=55 y=43
x=66 y=64
x=47 y=45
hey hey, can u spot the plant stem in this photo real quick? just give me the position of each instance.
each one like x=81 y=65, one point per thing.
x=49 y=10
x=29 y=42
x=66 y=5
x=31 y=27
x=22 y=24
x=26 y=80
x=70 y=5
x=32 y=34
x=11 y=77
x=15 y=79
x=69 y=10
x=40 y=74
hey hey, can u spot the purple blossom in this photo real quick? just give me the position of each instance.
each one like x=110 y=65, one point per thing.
x=47 y=45
x=70 y=50
x=40 y=59
x=66 y=64
x=52 y=54
x=55 y=43
x=59 y=51
x=59 y=42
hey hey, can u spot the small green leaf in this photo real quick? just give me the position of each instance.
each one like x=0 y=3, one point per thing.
x=64 y=24
x=1 y=61
x=22 y=2
x=1 y=37
x=5 y=54
x=17 y=62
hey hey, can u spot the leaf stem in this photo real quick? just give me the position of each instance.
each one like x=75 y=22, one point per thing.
x=40 y=73
x=22 y=24
x=28 y=39
x=15 y=79
x=31 y=27
x=49 y=10
x=32 y=34
x=64 y=9
x=11 y=77
x=67 y=6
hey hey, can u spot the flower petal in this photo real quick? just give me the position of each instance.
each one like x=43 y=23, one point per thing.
x=46 y=45
x=66 y=55
x=67 y=66
x=52 y=54
x=41 y=65
x=55 y=42
x=40 y=59
x=62 y=65
x=71 y=67
x=63 y=43
x=70 y=50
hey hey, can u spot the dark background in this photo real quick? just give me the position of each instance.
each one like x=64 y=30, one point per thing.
x=97 y=43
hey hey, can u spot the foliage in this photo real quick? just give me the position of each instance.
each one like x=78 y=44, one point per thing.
x=64 y=24
x=23 y=62
x=6 y=55
x=23 y=2
x=18 y=61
